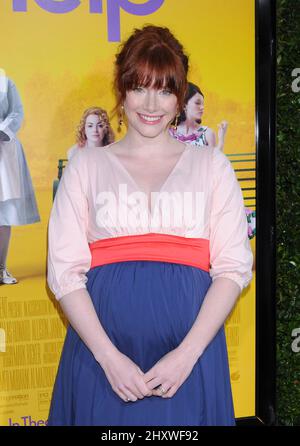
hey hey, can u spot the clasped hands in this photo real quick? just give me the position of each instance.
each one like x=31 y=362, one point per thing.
x=130 y=383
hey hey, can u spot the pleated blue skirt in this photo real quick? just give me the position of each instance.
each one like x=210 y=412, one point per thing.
x=146 y=308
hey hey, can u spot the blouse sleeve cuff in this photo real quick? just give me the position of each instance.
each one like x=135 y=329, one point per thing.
x=241 y=280
x=66 y=290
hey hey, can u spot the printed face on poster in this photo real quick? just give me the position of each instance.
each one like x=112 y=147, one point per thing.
x=60 y=56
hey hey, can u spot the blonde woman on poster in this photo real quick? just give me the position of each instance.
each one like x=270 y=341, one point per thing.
x=17 y=200
x=189 y=127
x=145 y=285
x=94 y=130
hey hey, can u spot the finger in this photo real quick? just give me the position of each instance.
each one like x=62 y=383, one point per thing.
x=171 y=392
x=159 y=394
x=127 y=395
x=144 y=389
x=130 y=397
x=153 y=383
x=124 y=397
x=136 y=392
x=162 y=390
x=149 y=375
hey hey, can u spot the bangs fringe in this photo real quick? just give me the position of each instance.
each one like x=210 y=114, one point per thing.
x=157 y=69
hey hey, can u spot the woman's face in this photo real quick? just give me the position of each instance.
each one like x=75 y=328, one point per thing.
x=94 y=130
x=150 y=111
x=195 y=107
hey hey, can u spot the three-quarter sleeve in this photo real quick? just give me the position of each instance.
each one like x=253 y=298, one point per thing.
x=230 y=250
x=15 y=115
x=69 y=256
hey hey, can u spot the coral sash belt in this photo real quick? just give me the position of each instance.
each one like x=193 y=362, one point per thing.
x=154 y=247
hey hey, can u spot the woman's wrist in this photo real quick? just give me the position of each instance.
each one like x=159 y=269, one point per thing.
x=106 y=353
x=190 y=350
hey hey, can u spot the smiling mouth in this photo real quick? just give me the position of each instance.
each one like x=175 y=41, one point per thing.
x=150 y=119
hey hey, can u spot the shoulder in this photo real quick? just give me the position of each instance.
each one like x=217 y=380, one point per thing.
x=11 y=86
x=71 y=151
x=76 y=172
x=86 y=158
x=223 y=172
x=200 y=157
x=76 y=159
x=10 y=83
x=208 y=156
x=202 y=129
x=219 y=156
x=200 y=152
x=207 y=130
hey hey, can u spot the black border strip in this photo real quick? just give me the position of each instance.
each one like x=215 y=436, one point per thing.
x=266 y=211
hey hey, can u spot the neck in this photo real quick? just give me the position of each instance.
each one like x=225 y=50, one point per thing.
x=188 y=126
x=138 y=145
x=93 y=144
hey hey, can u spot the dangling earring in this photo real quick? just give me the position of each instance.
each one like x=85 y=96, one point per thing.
x=176 y=122
x=121 y=120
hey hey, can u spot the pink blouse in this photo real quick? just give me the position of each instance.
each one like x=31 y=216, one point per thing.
x=97 y=199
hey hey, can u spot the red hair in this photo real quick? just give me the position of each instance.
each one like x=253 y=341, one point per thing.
x=151 y=56
x=109 y=136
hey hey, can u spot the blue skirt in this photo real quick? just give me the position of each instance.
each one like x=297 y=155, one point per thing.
x=146 y=308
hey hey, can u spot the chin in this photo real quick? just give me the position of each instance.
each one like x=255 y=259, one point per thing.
x=150 y=134
x=150 y=131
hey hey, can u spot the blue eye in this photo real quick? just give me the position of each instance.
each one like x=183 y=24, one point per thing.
x=138 y=89
x=166 y=92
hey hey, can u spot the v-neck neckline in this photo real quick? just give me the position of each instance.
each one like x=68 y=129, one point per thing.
x=139 y=188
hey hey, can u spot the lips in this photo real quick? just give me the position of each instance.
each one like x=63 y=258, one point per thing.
x=150 y=120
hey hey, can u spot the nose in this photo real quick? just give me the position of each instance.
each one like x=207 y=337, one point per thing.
x=151 y=101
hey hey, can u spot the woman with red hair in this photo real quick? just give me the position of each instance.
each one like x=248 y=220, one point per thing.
x=148 y=253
